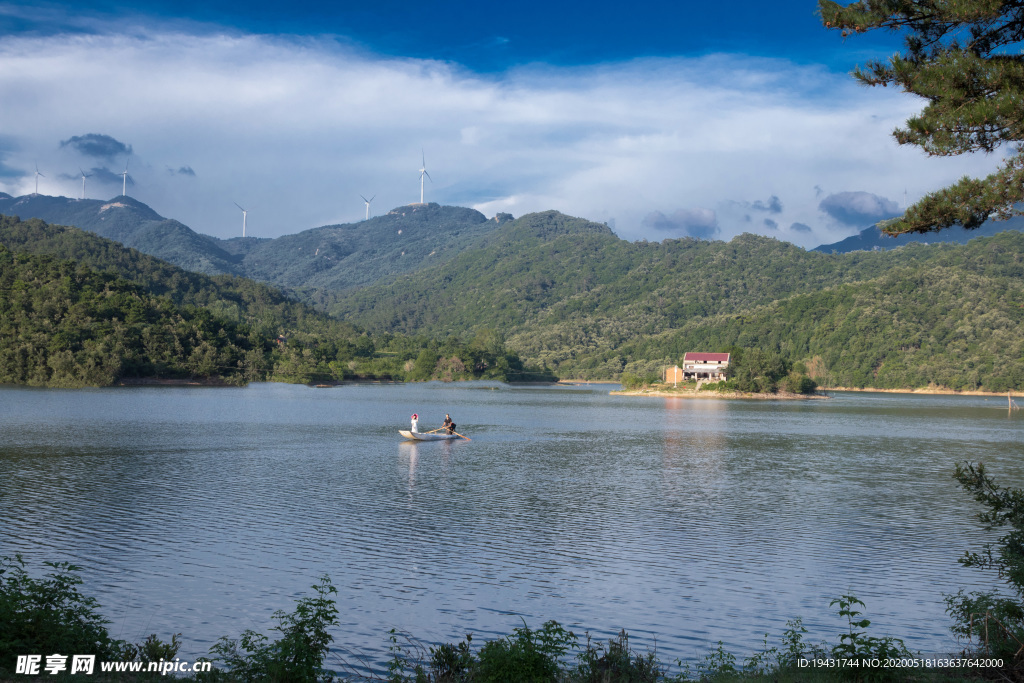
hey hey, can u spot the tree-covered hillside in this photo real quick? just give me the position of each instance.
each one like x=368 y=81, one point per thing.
x=337 y=257
x=571 y=295
x=81 y=310
x=131 y=223
x=308 y=263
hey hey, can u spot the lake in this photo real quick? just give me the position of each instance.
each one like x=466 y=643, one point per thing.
x=687 y=522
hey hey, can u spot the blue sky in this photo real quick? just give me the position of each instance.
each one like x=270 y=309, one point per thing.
x=661 y=119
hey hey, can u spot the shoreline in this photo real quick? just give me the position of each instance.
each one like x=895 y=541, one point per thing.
x=780 y=396
x=935 y=391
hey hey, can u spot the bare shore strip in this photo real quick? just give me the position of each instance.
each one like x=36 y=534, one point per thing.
x=690 y=393
x=784 y=395
x=931 y=390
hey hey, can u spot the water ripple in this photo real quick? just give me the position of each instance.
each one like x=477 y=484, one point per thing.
x=203 y=511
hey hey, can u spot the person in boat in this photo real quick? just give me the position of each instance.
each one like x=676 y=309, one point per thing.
x=415 y=423
x=448 y=425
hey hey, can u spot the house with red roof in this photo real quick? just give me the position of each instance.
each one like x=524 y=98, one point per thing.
x=699 y=365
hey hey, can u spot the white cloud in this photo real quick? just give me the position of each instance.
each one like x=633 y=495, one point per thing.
x=296 y=129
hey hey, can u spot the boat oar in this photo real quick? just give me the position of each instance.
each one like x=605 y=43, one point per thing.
x=464 y=437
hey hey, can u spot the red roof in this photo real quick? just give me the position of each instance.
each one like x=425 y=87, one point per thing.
x=706 y=357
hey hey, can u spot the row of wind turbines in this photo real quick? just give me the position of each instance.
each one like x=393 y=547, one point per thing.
x=245 y=213
x=125 y=177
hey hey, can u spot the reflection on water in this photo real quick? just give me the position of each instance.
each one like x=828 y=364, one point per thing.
x=692 y=521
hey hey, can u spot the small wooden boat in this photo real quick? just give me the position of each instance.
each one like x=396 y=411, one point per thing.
x=426 y=436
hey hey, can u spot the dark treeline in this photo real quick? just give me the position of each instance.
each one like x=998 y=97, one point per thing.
x=79 y=310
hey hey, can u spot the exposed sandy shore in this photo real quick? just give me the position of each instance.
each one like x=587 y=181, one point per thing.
x=928 y=390
x=689 y=393
x=165 y=382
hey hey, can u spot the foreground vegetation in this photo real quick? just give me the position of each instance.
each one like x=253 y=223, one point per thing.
x=78 y=310
x=51 y=615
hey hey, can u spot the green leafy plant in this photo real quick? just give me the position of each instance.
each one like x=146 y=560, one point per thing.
x=49 y=614
x=616 y=663
x=717 y=663
x=298 y=655
x=450 y=663
x=859 y=648
x=527 y=655
x=993 y=620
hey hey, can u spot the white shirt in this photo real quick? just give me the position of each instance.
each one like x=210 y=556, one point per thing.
x=415 y=425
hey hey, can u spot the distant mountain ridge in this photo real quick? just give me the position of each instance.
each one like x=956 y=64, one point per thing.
x=331 y=257
x=873 y=239
x=131 y=223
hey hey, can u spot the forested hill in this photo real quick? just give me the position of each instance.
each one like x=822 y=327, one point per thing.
x=334 y=257
x=406 y=239
x=78 y=310
x=131 y=223
x=570 y=294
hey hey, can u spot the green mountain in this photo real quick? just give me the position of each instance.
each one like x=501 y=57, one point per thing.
x=337 y=257
x=566 y=293
x=571 y=295
x=874 y=239
x=331 y=257
x=131 y=223
x=77 y=309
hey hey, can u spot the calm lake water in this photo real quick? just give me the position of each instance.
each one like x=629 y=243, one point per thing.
x=686 y=522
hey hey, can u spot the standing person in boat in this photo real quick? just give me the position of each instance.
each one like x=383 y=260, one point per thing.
x=415 y=423
x=448 y=425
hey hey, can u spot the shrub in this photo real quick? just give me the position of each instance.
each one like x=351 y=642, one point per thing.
x=630 y=382
x=796 y=383
x=992 y=617
x=297 y=656
x=858 y=646
x=617 y=662
x=50 y=614
x=527 y=655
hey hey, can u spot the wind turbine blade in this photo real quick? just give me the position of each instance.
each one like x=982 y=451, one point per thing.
x=373 y=197
x=364 y=199
x=236 y=204
x=428 y=175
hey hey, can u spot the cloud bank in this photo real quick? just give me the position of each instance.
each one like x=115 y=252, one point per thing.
x=296 y=130
x=858 y=209
x=700 y=223
x=97 y=146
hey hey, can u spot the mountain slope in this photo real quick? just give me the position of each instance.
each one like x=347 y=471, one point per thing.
x=569 y=294
x=331 y=257
x=874 y=239
x=93 y=298
x=336 y=257
x=131 y=223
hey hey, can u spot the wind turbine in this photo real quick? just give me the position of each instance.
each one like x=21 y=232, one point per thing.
x=423 y=172
x=124 y=179
x=37 y=178
x=84 y=176
x=244 y=214
x=367 y=204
